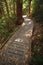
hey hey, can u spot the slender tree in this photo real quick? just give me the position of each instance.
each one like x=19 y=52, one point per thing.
x=13 y=2
x=6 y=4
x=29 y=2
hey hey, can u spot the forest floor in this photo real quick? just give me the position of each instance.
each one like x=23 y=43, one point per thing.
x=17 y=51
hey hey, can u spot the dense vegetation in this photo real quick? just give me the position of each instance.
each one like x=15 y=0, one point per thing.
x=7 y=18
x=37 y=9
x=37 y=38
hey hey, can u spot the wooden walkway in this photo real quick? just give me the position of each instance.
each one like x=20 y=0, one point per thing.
x=17 y=51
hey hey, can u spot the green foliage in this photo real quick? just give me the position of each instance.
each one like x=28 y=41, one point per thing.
x=37 y=60
x=37 y=9
x=25 y=6
x=21 y=1
x=7 y=16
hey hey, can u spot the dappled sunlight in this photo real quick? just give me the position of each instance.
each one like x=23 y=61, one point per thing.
x=29 y=22
x=19 y=40
x=27 y=19
x=28 y=33
x=24 y=16
x=23 y=24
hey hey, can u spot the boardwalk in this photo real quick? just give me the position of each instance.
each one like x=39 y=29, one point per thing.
x=17 y=51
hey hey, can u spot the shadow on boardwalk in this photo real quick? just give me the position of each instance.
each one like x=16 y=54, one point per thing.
x=17 y=51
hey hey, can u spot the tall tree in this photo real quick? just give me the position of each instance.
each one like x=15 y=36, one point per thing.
x=6 y=4
x=29 y=2
x=19 y=12
x=13 y=2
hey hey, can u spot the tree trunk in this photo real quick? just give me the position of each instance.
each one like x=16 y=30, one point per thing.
x=19 y=12
x=6 y=4
x=0 y=12
x=29 y=1
x=13 y=2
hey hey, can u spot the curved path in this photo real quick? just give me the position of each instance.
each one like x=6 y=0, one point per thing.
x=17 y=51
